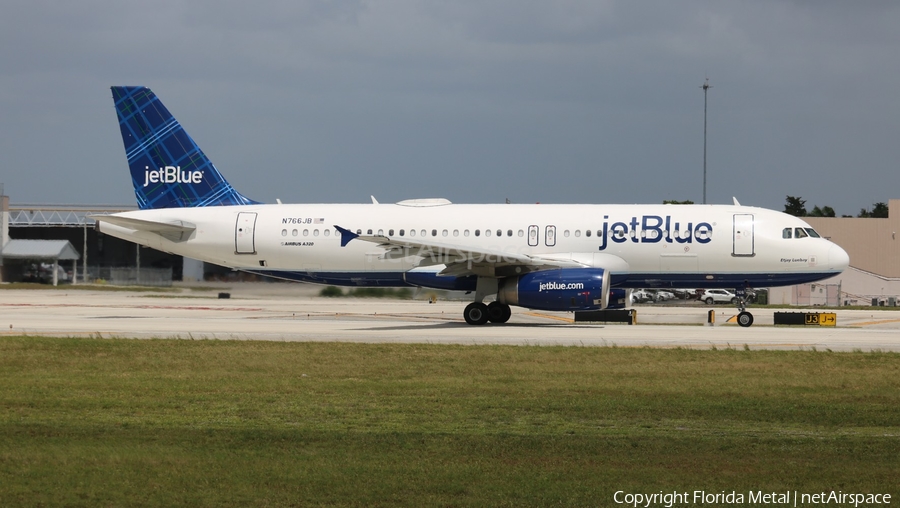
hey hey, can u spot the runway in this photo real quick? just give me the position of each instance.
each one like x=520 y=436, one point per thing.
x=293 y=312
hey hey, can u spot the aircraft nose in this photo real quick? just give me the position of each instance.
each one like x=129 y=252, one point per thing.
x=838 y=258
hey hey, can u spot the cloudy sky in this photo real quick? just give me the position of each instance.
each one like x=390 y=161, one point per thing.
x=564 y=101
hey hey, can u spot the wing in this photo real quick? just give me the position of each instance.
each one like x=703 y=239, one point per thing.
x=460 y=260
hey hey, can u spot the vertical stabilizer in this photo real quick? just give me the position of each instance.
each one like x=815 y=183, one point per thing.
x=168 y=169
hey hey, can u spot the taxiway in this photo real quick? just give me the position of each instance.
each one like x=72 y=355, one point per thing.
x=293 y=312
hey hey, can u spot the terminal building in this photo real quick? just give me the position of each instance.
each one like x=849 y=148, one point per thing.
x=40 y=243
x=874 y=274
x=87 y=255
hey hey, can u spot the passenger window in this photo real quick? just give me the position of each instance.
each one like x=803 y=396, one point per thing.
x=401 y=232
x=577 y=233
x=284 y=232
x=369 y=232
x=380 y=232
x=466 y=232
x=358 y=231
x=455 y=232
x=587 y=233
x=423 y=233
x=487 y=232
x=477 y=232
x=521 y=233
x=390 y=232
x=500 y=232
x=800 y=233
x=566 y=233
x=412 y=232
x=434 y=232
x=786 y=233
x=315 y=232
x=444 y=233
x=305 y=232
x=327 y=232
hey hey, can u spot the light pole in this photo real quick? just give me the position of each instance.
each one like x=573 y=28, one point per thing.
x=706 y=86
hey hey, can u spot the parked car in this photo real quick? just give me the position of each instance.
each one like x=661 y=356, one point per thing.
x=660 y=295
x=686 y=294
x=711 y=296
x=641 y=296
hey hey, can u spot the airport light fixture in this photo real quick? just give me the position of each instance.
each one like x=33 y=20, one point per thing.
x=706 y=86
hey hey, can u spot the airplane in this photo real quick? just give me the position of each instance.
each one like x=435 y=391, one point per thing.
x=553 y=257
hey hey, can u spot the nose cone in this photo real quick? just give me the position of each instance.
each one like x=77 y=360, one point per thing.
x=838 y=259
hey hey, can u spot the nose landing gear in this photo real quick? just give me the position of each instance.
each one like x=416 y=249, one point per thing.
x=744 y=318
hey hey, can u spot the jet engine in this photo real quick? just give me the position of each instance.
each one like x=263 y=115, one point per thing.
x=561 y=289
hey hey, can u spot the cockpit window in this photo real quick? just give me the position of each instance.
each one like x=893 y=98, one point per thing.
x=799 y=233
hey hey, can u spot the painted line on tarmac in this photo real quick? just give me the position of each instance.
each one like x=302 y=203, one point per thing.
x=144 y=306
x=877 y=322
x=548 y=316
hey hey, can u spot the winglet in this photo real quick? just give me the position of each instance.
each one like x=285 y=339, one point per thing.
x=735 y=201
x=346 y=235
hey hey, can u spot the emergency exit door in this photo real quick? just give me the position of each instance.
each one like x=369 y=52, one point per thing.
x=244 y=233
x=743 y=235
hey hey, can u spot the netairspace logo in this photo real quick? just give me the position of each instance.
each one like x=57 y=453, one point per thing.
x=171 y=174
x=757 y=497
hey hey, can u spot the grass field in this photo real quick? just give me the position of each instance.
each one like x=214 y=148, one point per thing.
x=91 y=422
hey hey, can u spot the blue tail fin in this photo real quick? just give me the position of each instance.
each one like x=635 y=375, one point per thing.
x=167 y=168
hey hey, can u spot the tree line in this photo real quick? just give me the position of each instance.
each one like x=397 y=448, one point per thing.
x=796 y=206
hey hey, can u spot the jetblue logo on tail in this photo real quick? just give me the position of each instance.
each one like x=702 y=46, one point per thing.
x=171 y=174
x=155 y=146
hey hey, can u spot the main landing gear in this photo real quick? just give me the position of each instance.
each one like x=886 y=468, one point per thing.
x=477 y=313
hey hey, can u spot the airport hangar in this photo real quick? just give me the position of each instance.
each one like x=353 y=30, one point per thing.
x=872 y=279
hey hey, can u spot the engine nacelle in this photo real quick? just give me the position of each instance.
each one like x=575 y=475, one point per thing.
x=563 y=289
x=618 y=298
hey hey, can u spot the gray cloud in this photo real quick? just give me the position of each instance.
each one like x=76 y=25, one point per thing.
x=569 y=101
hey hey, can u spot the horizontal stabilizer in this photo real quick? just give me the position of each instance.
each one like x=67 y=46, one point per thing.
x=177 y=231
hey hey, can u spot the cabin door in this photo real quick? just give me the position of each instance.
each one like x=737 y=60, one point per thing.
x=743 y=235
x=244 y=233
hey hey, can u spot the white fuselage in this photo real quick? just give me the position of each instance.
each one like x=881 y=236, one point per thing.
x=642 y=245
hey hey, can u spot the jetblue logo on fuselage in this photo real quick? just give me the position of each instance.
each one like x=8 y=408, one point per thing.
x=654 y=229
x=171 y=174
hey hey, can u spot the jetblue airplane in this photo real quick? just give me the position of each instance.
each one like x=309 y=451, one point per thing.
x=546 y=257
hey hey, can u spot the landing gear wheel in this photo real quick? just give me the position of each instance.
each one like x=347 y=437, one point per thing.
x=476 y=313
x=498 y=312
x=745 y=319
